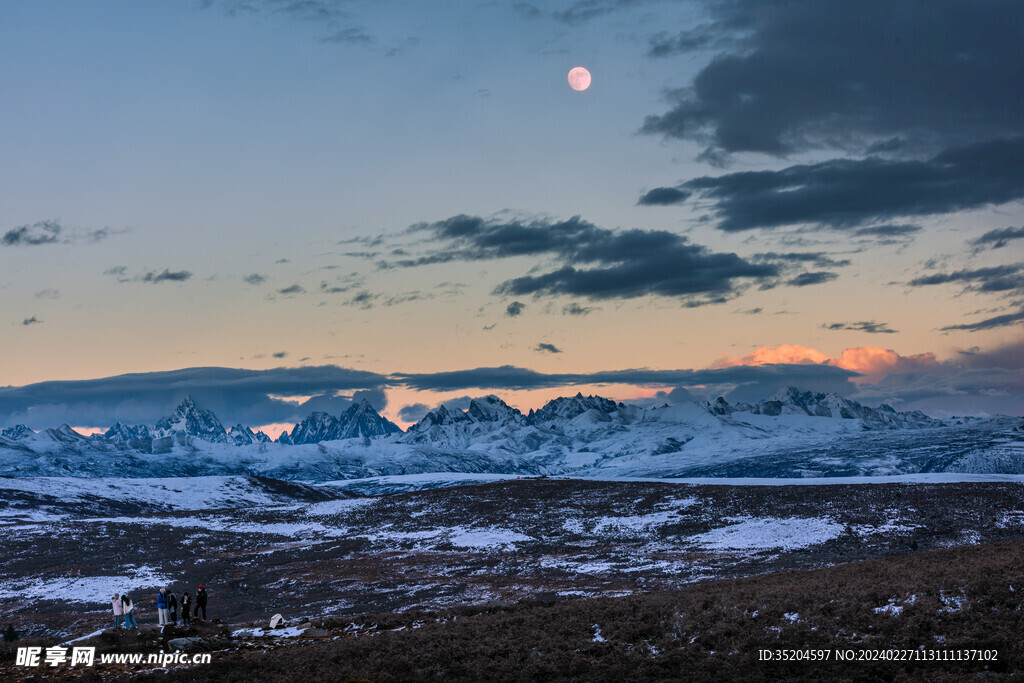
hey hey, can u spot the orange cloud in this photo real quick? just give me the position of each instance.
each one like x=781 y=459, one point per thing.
x=872 y=362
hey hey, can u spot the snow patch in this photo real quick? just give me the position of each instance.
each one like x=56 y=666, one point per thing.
x=768 y=533
x=82 y=589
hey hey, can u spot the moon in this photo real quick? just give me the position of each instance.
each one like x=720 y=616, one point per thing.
x=579 y=78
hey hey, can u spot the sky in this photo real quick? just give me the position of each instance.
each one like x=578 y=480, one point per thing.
x=280 y=206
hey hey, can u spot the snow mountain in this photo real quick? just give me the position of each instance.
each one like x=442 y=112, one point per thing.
x=792 y=433
x=188 y=418
x=360 y=420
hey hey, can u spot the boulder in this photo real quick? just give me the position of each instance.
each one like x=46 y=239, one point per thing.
x=187 y=644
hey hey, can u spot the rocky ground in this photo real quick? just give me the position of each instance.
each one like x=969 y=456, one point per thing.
x=326 y=560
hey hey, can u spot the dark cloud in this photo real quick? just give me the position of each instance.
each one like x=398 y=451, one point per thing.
x=666 y=45
x=509 y=377
x=997 y=239
x=752 y=311
x=869 y=326
x=663 y=196
x=254 y=279
x=280 y=354
x=547 y=348
x=326 y=288
x=42 y=232
x=1004 y=320
x=164 y=276
x=150 y=276
x=31 y=321
x=1006 y=281
x=818 y=259
x=291 y=289
x=597 y=263
x=575 y=309
x=363 y=299
x=353 y=36
x=1007 y=357
x=334 y=18
x=47 y=294
x=52 y=232
x=246 y=396
x=999 y=279
x=413 y=412
x=857 y=193
x=514 y=309
x=976 y=382
x=807 y=279
x=888 y=230
x=582 y=11
x=802 y=74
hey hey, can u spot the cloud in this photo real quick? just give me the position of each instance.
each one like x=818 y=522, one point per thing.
x=508 y=377
x=1004 y=278
x=150 y=276
x=31 y=321
x=666 y=45
x=997 y=239
x=254 y=279
x=248 y=396
x=807 y=279
x=352 y=36
x=42 y=232
x=663 y=196
x=582 y=11
x=413 y=412
x=975 y=382
x=165 y=276
x=515 y=309
x=280 y=354
x=335 y=18
x=869 y=363
x=363 y=299
x=1004 y=320
x=326 y=288
x=291 y=290
x=869 y=326
x=575 y=309
x=47 y=294
x=52 y=232
x=580 y=259
x=803 y=74
x=858 y=193
x=888 y=230
x=547 y=348
x=818 y=259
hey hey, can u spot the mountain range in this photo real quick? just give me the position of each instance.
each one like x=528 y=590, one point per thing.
x=791 y=433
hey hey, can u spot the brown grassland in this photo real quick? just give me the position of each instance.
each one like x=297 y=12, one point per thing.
x=967 y=597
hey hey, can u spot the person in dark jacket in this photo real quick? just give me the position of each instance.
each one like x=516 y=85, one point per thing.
x=172 y=608
x=200 y=602
x=186 y=606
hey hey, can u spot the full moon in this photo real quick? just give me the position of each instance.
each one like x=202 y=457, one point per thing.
x=579 y=78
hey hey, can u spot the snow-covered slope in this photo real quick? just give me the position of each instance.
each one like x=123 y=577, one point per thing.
x=790 y=434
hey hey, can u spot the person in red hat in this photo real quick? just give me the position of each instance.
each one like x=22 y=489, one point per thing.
x=200 y=602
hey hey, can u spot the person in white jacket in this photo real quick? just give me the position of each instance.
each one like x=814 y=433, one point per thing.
x=129 y=612
x=118 y=609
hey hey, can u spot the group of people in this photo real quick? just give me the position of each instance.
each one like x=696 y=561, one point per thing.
x=166 y=605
